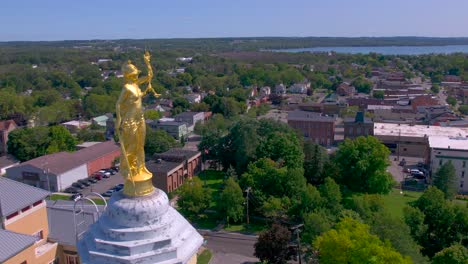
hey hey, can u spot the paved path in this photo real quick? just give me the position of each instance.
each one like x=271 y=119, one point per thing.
x=230 y=248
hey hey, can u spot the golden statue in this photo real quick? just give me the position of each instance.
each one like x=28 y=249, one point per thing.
x=131 y=130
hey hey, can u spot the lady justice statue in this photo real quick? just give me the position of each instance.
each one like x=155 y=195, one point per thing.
x=131 y=130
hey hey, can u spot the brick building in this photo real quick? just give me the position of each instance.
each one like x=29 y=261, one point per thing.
x=358 y=126
x=5 y=128
x=171 y=168
x=314 y=126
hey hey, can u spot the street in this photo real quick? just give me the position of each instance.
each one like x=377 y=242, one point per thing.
x=230 y=248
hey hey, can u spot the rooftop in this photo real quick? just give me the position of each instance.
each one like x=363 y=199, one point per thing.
x=60 y=217
x=309 y=116
x=16 y=195
x=12 y=243
x=408 y=130
x=5 y=124
x=162 y=166
x=188 y=114
x=61 y=162
x=455 y=143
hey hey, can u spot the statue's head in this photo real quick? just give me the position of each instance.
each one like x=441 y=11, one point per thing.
x=130 y=71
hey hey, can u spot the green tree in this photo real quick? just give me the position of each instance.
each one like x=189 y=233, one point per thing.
x=60 y=140
x=351 y=242
x=272 y=245
x=158 y=141
x=435 y=88
x=193 y=197
x=362 y=163
x=231 y=201
x=436 y=223
x=451 y=101
x=463 y=109
x=152 y=114
x=182 y=103
x=315 y=157
x=315 y=224
x=456 y=254
x=362 y=85
x=331 y=195
x=445 y=179
x=378 y=94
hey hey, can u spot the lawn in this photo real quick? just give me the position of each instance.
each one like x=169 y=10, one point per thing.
x=255 y=226
x=395 y=201
x=204 y=257
x=213 y=180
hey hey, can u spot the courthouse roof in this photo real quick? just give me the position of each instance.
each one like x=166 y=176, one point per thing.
x=12 y=243
x=15 y=196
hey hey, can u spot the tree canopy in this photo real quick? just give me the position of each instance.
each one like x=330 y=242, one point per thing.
x=445 y=179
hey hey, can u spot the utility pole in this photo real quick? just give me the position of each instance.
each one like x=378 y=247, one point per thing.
x=297 y=230
x=399 y=142
x=247 y=202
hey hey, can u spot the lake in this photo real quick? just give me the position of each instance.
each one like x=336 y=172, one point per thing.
x=386 y=50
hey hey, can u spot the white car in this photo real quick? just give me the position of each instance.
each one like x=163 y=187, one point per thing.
x=105 y=172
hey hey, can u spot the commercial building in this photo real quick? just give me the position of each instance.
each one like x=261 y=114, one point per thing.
x=171 y=168
x=56 y=172
x=314 y=126
x=190 y=118
x=24 y=229
x=412 y=140
x=358 y=126
x=454 y=149
x=176 y=129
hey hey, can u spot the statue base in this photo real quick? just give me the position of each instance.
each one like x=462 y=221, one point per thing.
x=141 y=229
x=138 y=188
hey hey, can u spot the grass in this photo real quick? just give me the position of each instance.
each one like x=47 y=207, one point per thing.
x=395 y=201
x=255 y=226
x=55 y=197
x=213 y=180
x=204 y=257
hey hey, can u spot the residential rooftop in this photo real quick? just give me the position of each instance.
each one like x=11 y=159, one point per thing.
x=409 y=130
x=162 y=166
x=453 y=143
x=12 y=243
x=15 y=196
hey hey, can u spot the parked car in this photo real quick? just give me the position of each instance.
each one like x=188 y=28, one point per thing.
x=417 y=174
x=105 y=172
x=92 y=180
x=97 y=176
x=116 y=168
x=111 y=171
x=78 y=185
x=85 y=182
x=118 y=187
x=108 y=193
x=71 y=190
x=75 y=197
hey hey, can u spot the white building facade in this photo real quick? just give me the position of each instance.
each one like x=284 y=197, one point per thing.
x=454 y=149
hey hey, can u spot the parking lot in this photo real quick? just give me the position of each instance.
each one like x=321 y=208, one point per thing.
x=397 y=170
x=103 y=185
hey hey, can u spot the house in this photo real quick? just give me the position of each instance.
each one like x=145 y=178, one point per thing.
x=7 y=162
x=265 y=91
x=443 y=149
x=6 y=127
x=314 y=126
x=75 y=125
x=423 y=100
x=184 y=59
x=193 y=98
x=61 y=216
x=190 y=118
x=176 y=129
x=101 y=120
x=56 y=172
x=24 y=230
x=299 y=88
x=173 y=167
x=280 y=89
x=452 y=79
x=345 y=89
x=358 y=126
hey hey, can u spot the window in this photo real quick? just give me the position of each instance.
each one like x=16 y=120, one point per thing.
x=440 y=162
x=37 y=203
x=71 y=259
x=463 y=174
x=461 y=184
x=25 y=209
x=12 y=215
x=38 y=235
x=464 y=164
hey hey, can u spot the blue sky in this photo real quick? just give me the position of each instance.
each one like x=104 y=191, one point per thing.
x=102 y=19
